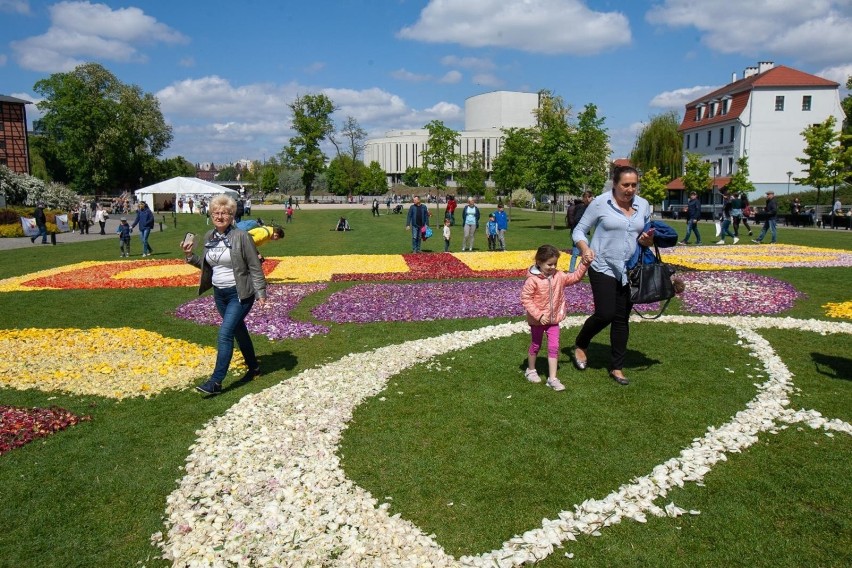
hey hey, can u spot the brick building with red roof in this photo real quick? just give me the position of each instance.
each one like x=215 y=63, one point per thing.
x=760 y=116
x=14 y=147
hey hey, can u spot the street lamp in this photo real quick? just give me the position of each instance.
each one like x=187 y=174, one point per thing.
x=789 y=175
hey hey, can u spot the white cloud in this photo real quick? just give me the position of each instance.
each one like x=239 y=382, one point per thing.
x=215 y=120
x=479 y=63
x=537 y=26
x=486 y=80
x=315 y=67
x=839 y=73
x=451 y=77
x=678 y=98
x=405 y=75
x=82 y=31
x=15 y=6
x=806 y=30
x=187 y=61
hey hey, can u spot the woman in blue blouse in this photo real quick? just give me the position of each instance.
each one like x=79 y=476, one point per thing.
x=618 y=219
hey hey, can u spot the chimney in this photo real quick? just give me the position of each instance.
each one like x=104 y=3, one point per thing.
x=764 y=66
x=733 y=77
x=749 y=71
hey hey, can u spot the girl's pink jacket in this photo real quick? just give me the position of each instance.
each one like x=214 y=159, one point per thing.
x=546 y=296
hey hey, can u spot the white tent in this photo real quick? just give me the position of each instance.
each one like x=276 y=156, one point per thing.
x=181 y=189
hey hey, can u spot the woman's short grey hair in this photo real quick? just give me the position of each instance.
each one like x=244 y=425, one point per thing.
x=225 y=202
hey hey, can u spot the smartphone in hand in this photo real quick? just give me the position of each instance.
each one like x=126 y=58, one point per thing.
x=188 y=239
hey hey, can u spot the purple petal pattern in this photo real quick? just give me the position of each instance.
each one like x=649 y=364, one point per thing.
x=273 y=320
x=437 y=300
x=735 y=293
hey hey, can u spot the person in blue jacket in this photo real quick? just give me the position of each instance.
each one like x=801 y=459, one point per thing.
x=418 y=218
x=502 y=225
x=145 y=220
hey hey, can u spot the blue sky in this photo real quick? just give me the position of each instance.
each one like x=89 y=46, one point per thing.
x=224 y=72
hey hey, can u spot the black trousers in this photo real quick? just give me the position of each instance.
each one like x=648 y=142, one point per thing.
x=612 y=308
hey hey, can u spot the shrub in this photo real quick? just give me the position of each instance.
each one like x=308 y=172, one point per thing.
x=521 y=198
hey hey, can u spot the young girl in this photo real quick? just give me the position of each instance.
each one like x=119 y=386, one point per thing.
x=543 y=298
x=447 y=223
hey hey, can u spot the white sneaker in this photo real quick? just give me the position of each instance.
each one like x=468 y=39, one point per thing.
x=555 y=384
x=532 y=376
x=736 y=240
x=721 y=242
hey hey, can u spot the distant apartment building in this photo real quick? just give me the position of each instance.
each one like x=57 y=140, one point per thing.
x=485 y=117
x=761 y=116
x=14 y=148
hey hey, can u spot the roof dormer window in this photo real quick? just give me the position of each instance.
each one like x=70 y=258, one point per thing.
x=699 y=112
x=726 y=105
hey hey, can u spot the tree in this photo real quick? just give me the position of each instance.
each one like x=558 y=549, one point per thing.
x=820 y=156
x=654 y=186
x=374 y=180
x=228 y=173
x=554 y=164
x=846 y=105
x=312 y=122
x=659 y=145
x=345 y=174
x=592 y=151
x=472 y=177
x=169 y=168
x=512 y=169
x=97 y=132
x=739 y=181
x=349 y=166
x=439 y=155
x=290 y=181
x=411 y=177
x=696 y=176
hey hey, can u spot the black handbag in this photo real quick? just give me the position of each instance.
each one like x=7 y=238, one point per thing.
x=651 y=282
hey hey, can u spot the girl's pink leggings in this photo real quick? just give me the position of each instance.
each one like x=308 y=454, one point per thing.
x=538 y=331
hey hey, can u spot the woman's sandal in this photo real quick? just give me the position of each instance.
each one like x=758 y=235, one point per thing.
x=622 y=380
x=580 y=365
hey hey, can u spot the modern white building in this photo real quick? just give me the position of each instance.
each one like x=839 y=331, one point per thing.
x=760 y=116
x=485 y=117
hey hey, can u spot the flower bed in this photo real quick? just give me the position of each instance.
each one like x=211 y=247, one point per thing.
x=839 y=310
x=749 y=257
x=736 y=293
x=114 y=363
x=20 y=426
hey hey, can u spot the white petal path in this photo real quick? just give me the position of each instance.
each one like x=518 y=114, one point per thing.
x=264 y=486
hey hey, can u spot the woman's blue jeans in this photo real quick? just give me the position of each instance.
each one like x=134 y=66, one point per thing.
x=233 y=313
x=143 y=236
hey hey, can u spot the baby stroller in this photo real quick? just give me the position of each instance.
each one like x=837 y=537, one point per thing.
x=398 y=208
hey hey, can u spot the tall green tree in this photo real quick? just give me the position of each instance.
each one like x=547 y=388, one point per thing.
x=98 y=133
x=654 y=186
x=592 y=156
x=312 y=123
x=554 y=165
x=846 y=105
x=696 y=176
x=349 y=146
x=345 y=175
x=411 y=176
x=513 y=168
x=820 y=157
x=374 y=180
x=439 y=156
x=739 y=181
x=659 y=145
x=472 y=176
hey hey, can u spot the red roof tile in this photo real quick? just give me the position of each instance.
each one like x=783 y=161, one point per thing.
x=739 y=91
x=677 y=183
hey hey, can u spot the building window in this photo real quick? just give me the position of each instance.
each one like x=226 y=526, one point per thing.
x=711 y=112
x=730 y=166
x=687 y=141
x=699 y=112
x=733 y=131
x=721 y=136
x=709 y=134
x=806 y=102
x=726 y=106
x=779 y=102
x=2 y=144
x=696 y=140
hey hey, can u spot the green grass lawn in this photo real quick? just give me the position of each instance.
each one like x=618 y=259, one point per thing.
x=475 y=434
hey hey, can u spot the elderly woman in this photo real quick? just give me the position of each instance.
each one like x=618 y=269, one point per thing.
x=618 y=219
x=230 y=266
